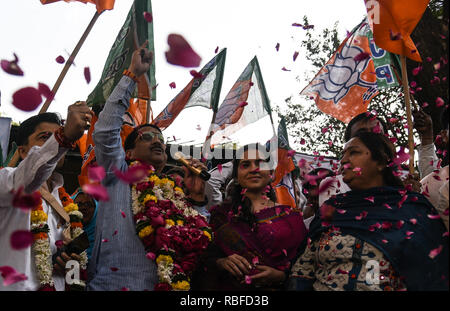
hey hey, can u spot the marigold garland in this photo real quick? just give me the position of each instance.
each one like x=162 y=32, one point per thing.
x=41 y=242
x=169 y=227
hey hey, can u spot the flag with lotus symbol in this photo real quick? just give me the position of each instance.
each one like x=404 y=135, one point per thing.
x=344 y=87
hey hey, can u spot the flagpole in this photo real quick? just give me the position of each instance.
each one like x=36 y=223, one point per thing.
x=408 y=114
x=63 y=73
x=70 y=61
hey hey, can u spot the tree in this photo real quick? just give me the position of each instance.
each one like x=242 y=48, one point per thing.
x=314 y=130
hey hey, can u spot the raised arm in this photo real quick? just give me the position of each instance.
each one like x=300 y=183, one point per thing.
x=108 y=144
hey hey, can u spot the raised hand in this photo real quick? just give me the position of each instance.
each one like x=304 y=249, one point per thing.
x=79 y=117
x=141 y=60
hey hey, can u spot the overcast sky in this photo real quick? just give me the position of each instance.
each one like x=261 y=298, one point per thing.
x=38 y=34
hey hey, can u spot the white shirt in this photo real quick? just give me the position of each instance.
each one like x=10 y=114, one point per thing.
x=435 y=189
x=31 y=173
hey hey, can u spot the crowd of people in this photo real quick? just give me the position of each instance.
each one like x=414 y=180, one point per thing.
x=367 y=228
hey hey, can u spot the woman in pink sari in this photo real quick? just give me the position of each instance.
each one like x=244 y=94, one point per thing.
x=254 y=239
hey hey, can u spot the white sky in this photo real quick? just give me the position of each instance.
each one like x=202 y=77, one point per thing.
x=38 y=34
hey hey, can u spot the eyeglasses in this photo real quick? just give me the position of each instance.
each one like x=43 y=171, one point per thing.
x=148 y=136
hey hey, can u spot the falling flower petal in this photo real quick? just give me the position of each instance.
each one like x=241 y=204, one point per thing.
x=96 y=173
x=324 y=130
x=361 y=56
x=148 y=17
x=21 y=239
x=180 y=52
x=60 y=59
x=439 y=102
x=11 y=67
x=341 y=211
x=277 y=47
x=297 y=25
x=295 y=55
x=302 y=141
x=248 y=280
x=243 y=104
x=291 y=153
x=429 y=59
x=387 y=206
x=408 y=233
x=87 y=74
x=434 y=252
x=401 y=157
x=25 y=201
x=196 y=74
x=11 y=276
x=172 y=85
x=59 y=243
x=243 y=191
x=123 y=214
x=386 y=225
x=437 y=216
x=385 y=241
x=105 y=240
x=284 y=252
x=413 y=221
x=27 y=99
x=399 y=224
x=115 y=232
x=97 y=191
x=216 y=50
x=219 y=167
x=114 y=269
x=416 y=70
x=325 y=185
x=284 y=69
x=134 y=174
x=370 y=199
x=45 y=91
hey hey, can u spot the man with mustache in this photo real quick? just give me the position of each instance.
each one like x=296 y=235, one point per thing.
x=119 y=258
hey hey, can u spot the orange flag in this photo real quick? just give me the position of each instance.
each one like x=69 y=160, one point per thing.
x=101 y=5
x=393 y=22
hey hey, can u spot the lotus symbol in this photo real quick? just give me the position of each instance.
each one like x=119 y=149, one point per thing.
x=342 y=75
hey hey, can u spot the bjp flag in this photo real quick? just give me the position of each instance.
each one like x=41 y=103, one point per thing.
x=101 y=5
x=393 y=22
x=344 y=87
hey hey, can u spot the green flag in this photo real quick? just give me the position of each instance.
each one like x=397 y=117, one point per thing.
x=133 y=33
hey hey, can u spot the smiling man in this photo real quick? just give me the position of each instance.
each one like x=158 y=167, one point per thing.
x=119 y=258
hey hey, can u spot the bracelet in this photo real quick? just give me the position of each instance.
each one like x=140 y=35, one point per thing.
x=128 y=73
x=62 y=139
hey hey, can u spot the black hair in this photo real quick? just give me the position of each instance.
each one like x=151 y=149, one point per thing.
x=383 y=151
x=365 y=116
x=130 y=141
x=242 y=205
x=444 y=119
x=28 y=126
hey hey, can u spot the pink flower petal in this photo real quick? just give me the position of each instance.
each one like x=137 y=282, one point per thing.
x=291 y=153
x=196 y=74
x=27 y=99
x=11 y=276
x=413 y=221
x=11 y=67
x=429 y=59
x=302 y=141
x=244 y=191
x=434 y=252
x=326 y=185
x=134 y=174
x=385 y=241
x=45 y=91
x=297 y=25
x=180 y=52
x=60 y=59
x=416 y=70
x=96 y=173
x=277 y=47
x=21 y=239
x=97 y=191
x=172 y=85
x=219 y=168
x=295 y=55
x=123 y=214
x=148 y=17
x=105 y=241
x=25 y=201
x=243 y=104
x=59 y=243
x=361 y=56
x=399 y=224
x=114 y=269
x=401 y=157
x=387 y=206
x=285 y=69
x=341 y=211
x=386 y=225
x=284 y=252
x=408 y=233
x=216 y=50
x=439 y=102
x=437 y=216
x=87 y=74
x=248 y=280
x=370 y=199
x=115 y=232
x=150 y=256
